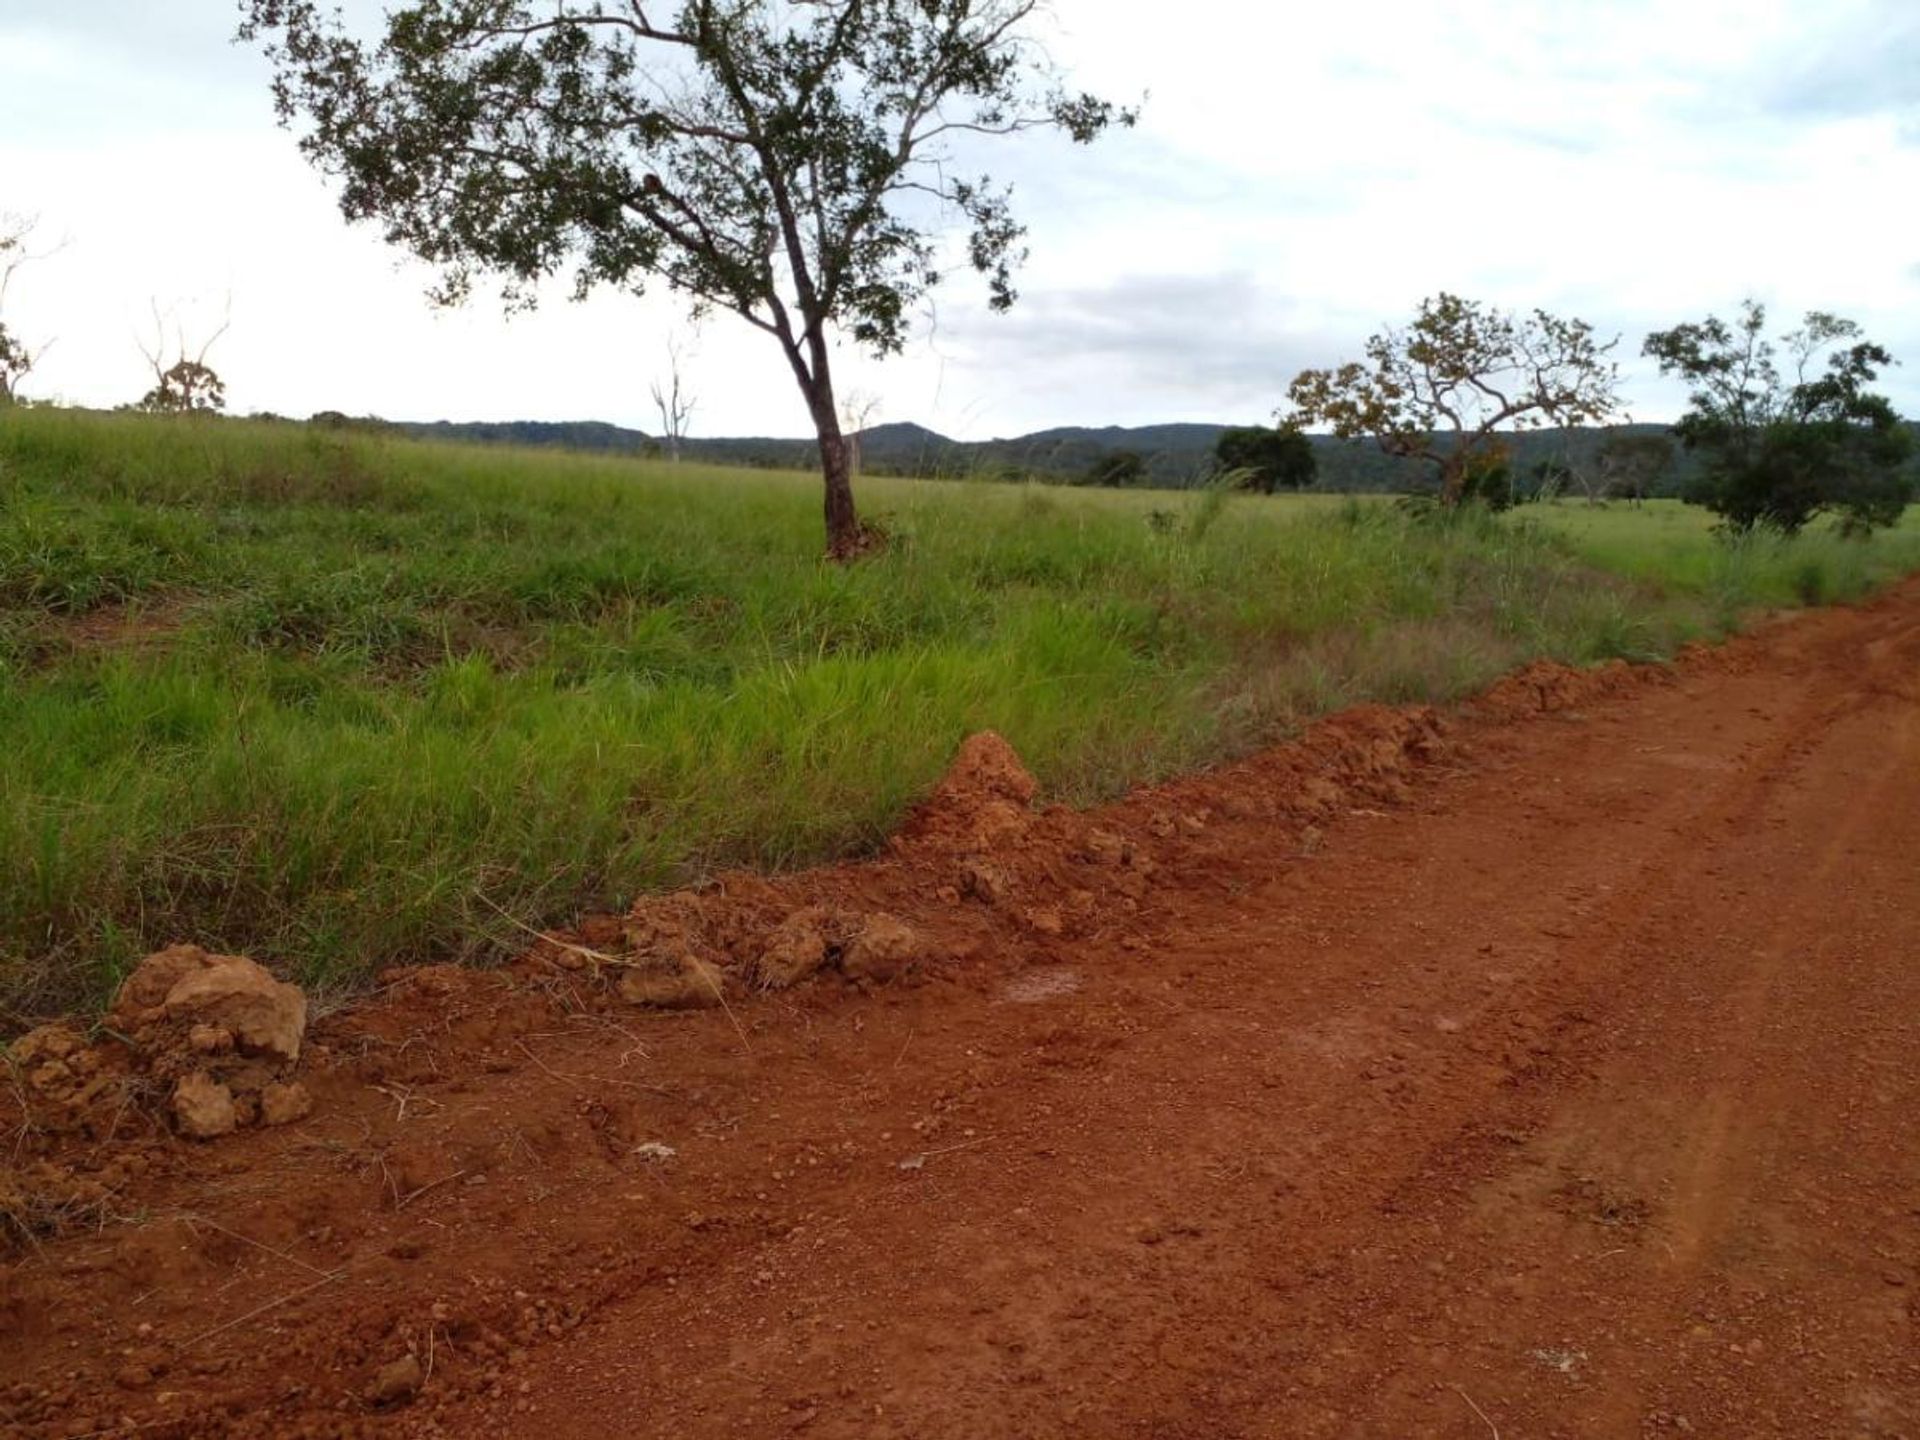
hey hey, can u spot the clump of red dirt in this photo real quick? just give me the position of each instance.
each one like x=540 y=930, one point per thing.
x=222 y=1032
x=200 y=1044
x=1544 y=687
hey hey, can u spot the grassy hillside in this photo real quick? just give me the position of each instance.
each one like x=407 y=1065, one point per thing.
x=342 y=701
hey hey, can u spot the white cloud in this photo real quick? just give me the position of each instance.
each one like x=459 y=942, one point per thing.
x=1301 y=175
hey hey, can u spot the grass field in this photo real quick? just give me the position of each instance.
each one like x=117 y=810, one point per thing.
x=341 y=702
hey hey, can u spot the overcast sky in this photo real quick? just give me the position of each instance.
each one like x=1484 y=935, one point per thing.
x=1301 y=175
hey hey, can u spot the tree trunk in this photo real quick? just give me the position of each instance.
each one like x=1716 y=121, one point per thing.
x=845 y=538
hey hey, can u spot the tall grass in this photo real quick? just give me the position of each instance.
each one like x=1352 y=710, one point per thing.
x=342 y=702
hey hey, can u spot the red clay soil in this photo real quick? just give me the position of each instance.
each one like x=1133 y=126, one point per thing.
x=1543 y=1069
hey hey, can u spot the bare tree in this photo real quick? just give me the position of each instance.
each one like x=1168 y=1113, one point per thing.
x=184 y=385
x=17 y=358
x=675 y=403
x=1629 y=464
x=856 y=418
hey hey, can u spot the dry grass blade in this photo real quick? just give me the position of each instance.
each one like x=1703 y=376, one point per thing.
x=599 y=957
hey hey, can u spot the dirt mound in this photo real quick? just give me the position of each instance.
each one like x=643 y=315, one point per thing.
x=985 y=799
x=976 y=869
x=1545 y=686
x=222 y=1031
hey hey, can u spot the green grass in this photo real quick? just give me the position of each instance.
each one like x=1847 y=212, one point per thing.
x=341 y=702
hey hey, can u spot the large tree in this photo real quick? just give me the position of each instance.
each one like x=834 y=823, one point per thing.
x=1779 y=447
x=790 y=161
x=1266 y=458
x=1443 y=389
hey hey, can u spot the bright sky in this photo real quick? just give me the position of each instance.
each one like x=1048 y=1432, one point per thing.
x=1302 y=175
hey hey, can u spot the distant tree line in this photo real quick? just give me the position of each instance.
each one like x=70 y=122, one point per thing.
x=1779 y=431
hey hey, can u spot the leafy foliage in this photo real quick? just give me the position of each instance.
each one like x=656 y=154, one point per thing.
x=1443 y=389
x=15 y=362
x=1781 y=448
x=186 y=387
x=788 y=162
x=1118 y=468
x=1269 y=459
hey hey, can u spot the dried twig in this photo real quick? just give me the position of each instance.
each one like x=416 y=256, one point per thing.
x=193 y=1219
x=402 y=1204
x=1478 y=1411
x=260 y=1310
x=721 y=995
x=597 y=956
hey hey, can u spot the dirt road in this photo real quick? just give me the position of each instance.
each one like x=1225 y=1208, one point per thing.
x=1561 y=1080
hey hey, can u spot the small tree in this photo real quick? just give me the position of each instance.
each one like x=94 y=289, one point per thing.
x=786 y=160
x=1442 y=390
x=1267 y=459
x=1779 y=449
x=17 y=358
x=675 y=403
x=184 y=385
x=856 y=418
x=1629 y=466
x=1117 y=468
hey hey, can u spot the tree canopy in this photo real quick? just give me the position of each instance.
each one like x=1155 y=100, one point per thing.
x=789 y=161
x=1779 y=448
x=1268 y=458
x=1443 y=389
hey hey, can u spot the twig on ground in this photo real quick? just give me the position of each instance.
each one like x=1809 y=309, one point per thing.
x=430 y=1185
x=721 y=995
x=1478 y=1411
x=193 y=1219
x=260 y=1310
x=919 y=1162
x=586 y=1079
x=597 y=956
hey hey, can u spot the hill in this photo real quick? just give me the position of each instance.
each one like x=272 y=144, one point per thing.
x=1175 y=456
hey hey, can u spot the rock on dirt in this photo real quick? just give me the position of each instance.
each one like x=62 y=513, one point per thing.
x=184 y=999
x=396 y=1383
x=224 y=1030
x=55 y=1062
x=672 y=982
x=796 y=949
x=885 y=947
x=203 y=1108
x=284 y=1104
